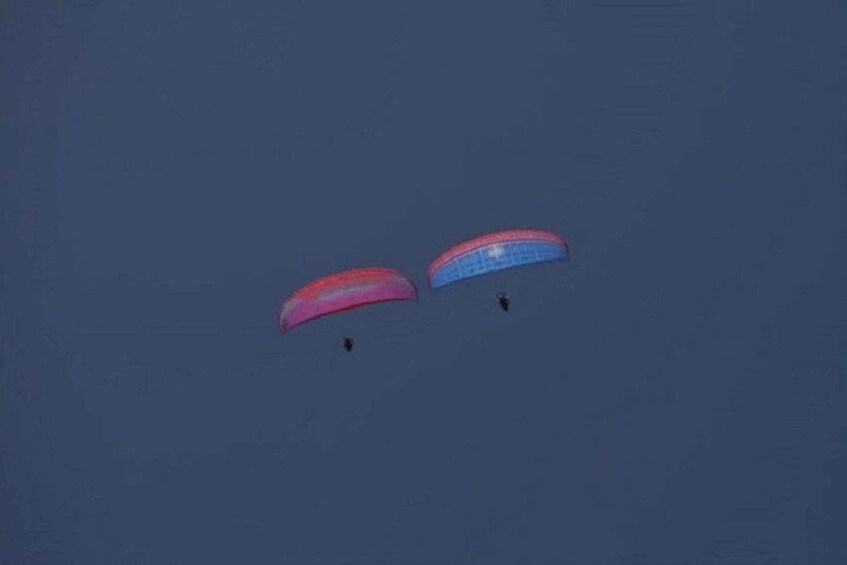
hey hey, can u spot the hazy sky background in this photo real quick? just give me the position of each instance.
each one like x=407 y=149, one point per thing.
x=673 y=395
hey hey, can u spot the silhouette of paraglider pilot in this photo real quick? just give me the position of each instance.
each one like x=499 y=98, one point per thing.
x=348 y=343
x=503 y=300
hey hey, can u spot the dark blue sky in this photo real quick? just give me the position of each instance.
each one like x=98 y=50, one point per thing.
x=674 y=395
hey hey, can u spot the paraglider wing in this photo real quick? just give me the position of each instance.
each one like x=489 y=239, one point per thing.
x=495 y=252
x=343 y=291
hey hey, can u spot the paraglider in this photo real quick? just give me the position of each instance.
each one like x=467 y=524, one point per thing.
x=343 y=291
x=495 y=252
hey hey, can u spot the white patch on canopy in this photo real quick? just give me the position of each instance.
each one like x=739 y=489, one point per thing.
x=496 y=251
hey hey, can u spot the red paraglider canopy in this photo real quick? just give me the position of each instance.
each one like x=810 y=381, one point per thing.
x=343 y=291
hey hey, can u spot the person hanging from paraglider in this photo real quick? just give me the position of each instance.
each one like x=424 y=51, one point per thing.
x=348 y=343
x=503 y=300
